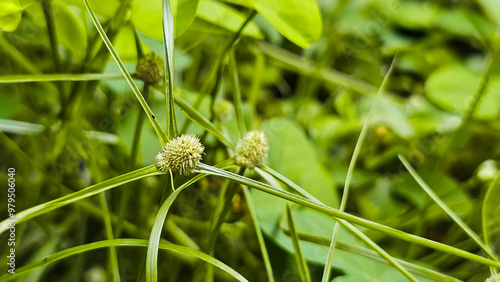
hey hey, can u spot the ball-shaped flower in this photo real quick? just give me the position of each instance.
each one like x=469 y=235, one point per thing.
x=223 y=110
x=252 y=149
x=150 y=69
x=181 y=155
x=493 y=278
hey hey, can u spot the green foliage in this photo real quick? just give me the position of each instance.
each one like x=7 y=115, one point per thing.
x=395 y=186
x=298 y=20
x=10 y=15
x=147 y=14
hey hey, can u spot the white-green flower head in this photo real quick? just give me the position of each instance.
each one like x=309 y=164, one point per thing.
x=181 y=155
x=493 y=278
x=252 y=149
x=223 y=110
x=150 y=68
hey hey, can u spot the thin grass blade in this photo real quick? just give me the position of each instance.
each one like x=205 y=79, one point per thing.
x=299 y=256
x=168 y=44
x=351 y=228
x=237 y=94
x=447 y=209
x=162 y=136
x=204 y=168
x=58 y=77
x=350 y=171
x=180 y=250
x=76 y=196
x=154 y=238
x=202 y=121
x=260 y=238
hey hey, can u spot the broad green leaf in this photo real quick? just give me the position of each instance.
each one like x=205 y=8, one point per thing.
x=492 y=9
x=491 y=214
x=414 y=14
x=70 y=30
x=453 y=87
x=124 y=43
x=388 y=111
x=294 y=156
x=147 y=16
x=10 y=14
x=102 y=8
x=462 y=22
x=226 y=17
x=298 y=20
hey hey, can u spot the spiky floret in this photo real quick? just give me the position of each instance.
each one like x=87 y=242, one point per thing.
x=181 y=155
x=252 y=149
x=150 y=68
x=493 y=278
x=223 y=110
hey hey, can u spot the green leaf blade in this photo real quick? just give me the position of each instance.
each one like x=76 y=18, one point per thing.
x=298 y=20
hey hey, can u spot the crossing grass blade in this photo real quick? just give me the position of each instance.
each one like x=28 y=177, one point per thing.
x=58 y=77
x=204 y=168
x=202 y=121
x=154 y=238
x=260 y=238
x=180 y=250
x=447 y=209
x=299 y=256
x=350 y=171
x=162 y=136
x=168 y=47
x=76 y=196
x=351 y=228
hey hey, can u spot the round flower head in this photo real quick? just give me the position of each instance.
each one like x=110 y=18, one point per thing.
x=493 y=278
x=181 y=155
x=252 y=149
x=223 y=110
x=150 y=69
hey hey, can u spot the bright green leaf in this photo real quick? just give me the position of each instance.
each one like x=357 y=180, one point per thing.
x=10 y=14
x=453 y=87
x=492 y=9
x=294 y=156
x=388 y=111
x=102 y=8
x=70 y=30
x=125 y=45
x=298 y=20
x=147 y=16
x=226 y=17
